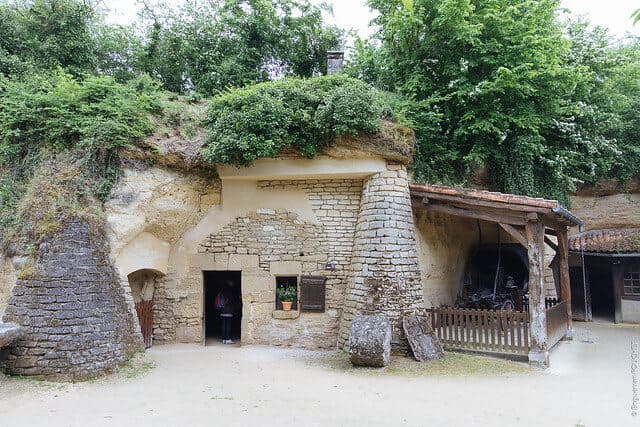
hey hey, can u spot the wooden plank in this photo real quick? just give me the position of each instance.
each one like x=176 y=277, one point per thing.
x=473 y=195
x=549 y=242
x=492 y=326
x=456 y=318
x=538 y=324
x=468 y=203
x=512 y=336
x=451 y=323
x=565 y=280
x=474 y=214
x=515 y=233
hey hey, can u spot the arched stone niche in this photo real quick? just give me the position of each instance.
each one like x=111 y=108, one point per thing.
x=143 y=283
x=144 y=252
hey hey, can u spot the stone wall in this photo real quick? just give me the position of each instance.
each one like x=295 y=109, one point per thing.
x=78 y=324
x=385 y=272
x=262 y=244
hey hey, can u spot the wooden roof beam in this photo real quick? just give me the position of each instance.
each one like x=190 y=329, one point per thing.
x=483 y=203
x=473 y=214
x=515 y=233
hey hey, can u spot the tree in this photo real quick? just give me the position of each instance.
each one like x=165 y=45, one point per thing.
x=224 y=43
x=45 y=34
x=492 y=85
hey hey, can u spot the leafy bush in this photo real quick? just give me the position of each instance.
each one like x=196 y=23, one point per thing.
x=88 y=120
x=260 y=120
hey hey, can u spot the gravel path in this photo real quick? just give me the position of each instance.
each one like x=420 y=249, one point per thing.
x=589 y=384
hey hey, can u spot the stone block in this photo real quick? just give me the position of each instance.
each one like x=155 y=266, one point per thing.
x=188 y=334
x=257 y=283
x=243 y=262
x=285 y=268
x=285 y=315
x=9 y=333
x=370 y=341
x=423 y=341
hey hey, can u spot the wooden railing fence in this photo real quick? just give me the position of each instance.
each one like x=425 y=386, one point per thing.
x=488 y=331
x=548 y=303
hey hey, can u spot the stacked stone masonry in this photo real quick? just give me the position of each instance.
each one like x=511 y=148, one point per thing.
x=265 y=243
x=385 y=270
x=76 y=320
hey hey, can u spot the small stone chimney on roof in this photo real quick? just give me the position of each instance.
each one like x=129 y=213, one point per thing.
x=335 y=62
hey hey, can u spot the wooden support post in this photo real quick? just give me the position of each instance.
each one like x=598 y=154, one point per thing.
x=565 y=282
x=539 y=351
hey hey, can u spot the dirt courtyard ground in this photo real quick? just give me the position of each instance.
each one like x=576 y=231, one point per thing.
x=590 y=383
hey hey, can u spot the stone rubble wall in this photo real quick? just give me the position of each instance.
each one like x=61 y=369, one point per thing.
x=385 y=268
x=264 y=243
x=72 y=307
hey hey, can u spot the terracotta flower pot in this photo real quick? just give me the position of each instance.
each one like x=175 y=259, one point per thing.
x=286 y=305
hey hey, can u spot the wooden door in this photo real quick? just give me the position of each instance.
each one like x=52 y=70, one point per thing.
x=144 y=309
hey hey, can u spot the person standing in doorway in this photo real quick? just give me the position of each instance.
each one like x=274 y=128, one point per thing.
x=225 y=301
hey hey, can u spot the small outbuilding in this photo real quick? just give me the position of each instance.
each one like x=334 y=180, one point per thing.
x=605 y=274
x=533 y=223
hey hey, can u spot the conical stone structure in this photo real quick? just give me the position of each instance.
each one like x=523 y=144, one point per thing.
x=385 y=274
x=76 y=321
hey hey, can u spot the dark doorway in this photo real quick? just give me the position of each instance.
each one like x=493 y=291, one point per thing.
x=601 y=287
x=213 y=283
x=580 y=294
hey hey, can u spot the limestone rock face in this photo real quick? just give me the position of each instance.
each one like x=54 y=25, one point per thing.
x=423 y=341
x=370 y=341
x=611 y=211
x=162 y=202
x=7 y=281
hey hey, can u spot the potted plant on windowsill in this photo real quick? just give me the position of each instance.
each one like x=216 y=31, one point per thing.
x=287 y=296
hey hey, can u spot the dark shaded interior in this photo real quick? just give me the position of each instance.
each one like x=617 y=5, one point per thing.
x=483 y=264
x=213 y=283
x=601 y=287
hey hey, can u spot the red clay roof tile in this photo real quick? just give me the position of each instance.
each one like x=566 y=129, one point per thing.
x=620 y=240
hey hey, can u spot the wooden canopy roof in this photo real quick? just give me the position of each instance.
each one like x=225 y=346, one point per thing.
x=502 y=208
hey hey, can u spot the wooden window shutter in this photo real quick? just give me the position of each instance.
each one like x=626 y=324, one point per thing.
x=312 y=293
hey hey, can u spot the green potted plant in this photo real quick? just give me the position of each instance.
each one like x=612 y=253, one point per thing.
x=287 y=296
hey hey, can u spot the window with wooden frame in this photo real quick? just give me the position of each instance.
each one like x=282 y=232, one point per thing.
x=284 y=282
x=313 y=293
x=631 y=281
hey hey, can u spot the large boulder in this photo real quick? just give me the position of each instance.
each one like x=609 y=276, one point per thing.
x=423 y=341
x=370 y=341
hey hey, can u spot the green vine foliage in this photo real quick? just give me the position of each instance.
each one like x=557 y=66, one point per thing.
x=304 y=114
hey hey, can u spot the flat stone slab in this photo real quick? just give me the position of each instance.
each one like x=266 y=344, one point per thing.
x=423 y=341
x=370 y=341
x=9 y=333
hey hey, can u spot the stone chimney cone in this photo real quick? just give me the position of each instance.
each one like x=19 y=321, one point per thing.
x=335 y=62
